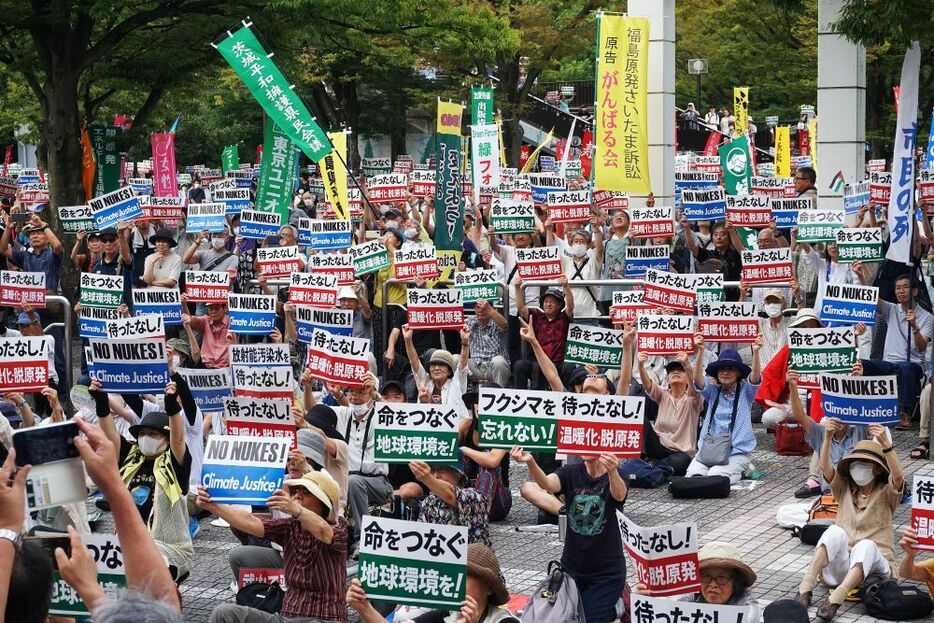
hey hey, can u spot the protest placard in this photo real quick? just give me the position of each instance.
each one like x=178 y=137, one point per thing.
x=27 y=176
x=415 y=432
x=76 y=218
x=242 y=178
x=315 y=289
x=32 y=194
x=271 y=381
x=695 y=179
x=669 y=290
x=845 y=304
x=706 y=164
x=254 y=575
x=819 y=225
x=98 y=290
x=540 y=185
x=107 y=554
x=785 y=211
x=259 y=417
x=24 y=364
x=130 y=366
x=394 y=548
x=119 y=205
x=665 y=557
x=922 y=511
x=259 y=355
x=369 y=257
x=334 y=321
x=8 y=187
x=860 y=400
x=243 y=470
x=423 y=183
x=512 y=216
x=434 y=309
x=477 y=284
x=252 y=314
x=324 y=235
x=92 y=321
x=880 y=187
x=772 y=187
x=165 y=302
x=371 y=167
x=339 y=265
x=140 y=185
x=876 y=165
x=593 y=345
x=728 y=322
x=257 y=225
x=859 y=244
x=583 y=424
x=538 y=263
x=273 y=262
x=337 y=358
x=709 y=286
x=209 y=387
x=926 y=190
x=19 y=288
x=822 y=350
x=651 y=222
x=235 y=199
x=207 y=286
x=626 y=305
x=767 y=266
x=388 y=188
x=647 y=609
x=148 y=327
x=641 y=259
x=753 y=211
x=609 y=200
x=664 y=335
x=416 y=261
x=704 y=204
x=855 y=196
x=569 y=206
x=163 y=209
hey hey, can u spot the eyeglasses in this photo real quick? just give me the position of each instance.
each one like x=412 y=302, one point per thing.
x=800 y=178
x=721 y=579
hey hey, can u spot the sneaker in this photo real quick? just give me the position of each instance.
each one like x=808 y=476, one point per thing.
x=544 y=517
x=220 y=523
x=194 y=527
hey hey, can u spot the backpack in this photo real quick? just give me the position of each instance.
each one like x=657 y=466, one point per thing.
x=262 y=596
x=789 y=440
x=699 y=487
x=644 y=475
x=811 y=532
x=555 y=599
x=825 y=507
x=892 y=601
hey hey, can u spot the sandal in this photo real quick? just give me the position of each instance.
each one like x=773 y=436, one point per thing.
x=921 y=451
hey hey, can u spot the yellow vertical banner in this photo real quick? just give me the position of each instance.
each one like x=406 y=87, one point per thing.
x=812 y=138
x=741 y=109
x=621 y=161
x=449 y=118
x=782 y=151
x=334 y=176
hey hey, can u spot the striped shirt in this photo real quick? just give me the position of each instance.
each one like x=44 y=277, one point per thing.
x=717 y=424
x=314 y=572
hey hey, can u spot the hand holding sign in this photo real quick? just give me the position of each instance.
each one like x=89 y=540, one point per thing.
x=80 y=569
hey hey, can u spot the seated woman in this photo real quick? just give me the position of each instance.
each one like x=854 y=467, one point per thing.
x=672 y=439
x=725 y=579
x=487 y=469
x=486 y=594
x=451 y=502
x=867 y=485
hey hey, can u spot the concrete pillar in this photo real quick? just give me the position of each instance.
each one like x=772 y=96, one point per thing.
x=661 y=101
x=841 y=105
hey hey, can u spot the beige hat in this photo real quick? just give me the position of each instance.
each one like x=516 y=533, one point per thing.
x=804 y=314
x=321 y=485
x=346 y=292
x=866 y=450
x=443 y=357
x=775 y=292
x=721 y=555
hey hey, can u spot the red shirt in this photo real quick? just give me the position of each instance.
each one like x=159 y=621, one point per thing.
x=551 y=334
x=213 y=340
x=774 y=385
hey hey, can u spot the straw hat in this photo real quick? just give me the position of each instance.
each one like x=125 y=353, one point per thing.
x=720 y=555
x=483 y=564
x=866 y=450
x=804 y=314
x=321 y=485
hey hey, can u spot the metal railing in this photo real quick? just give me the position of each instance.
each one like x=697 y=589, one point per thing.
x=504 y=304
x=67 y=326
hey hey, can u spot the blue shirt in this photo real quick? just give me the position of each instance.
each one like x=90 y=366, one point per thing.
x=839 y=448
x=44 y=261
x=718 y=424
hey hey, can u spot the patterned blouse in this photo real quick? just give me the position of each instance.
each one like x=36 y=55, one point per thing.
x=473 y=511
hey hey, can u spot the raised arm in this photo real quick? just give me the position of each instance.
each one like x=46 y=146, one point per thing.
x=699 y=378
x=549 y=482
x=689 y=240
x=176 y=427
x=548 y=368
x=410 y=351
x=521 y=307
x=625 y=366
x=568 y=296
x=797 y=407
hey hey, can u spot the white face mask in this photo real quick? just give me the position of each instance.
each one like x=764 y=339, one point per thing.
x=411 y=233
x=392 y=224
x=579 y=249
x=360 y=409
x=218 y=243
x=236 y=230
x=773 y=310
x=176 y=361
x=150 y=446
x=861 y=473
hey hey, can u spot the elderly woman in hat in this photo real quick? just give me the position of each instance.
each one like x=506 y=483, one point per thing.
x=445 y=381
x=486 y=595
x=726 y=440
x=163 y=267
x=867 y=485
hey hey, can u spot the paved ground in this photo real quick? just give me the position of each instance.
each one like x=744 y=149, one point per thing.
x=746 y=519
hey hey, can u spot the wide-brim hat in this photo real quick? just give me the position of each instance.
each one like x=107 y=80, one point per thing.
x=321 y=485
x=346 y=292
x=729 y=358
x=866 y=450
x=155 y=420
x=721 y=555
x=164 y=235
x=324 y=418
x=804 y=314
x=483 y=564
x=443 y=357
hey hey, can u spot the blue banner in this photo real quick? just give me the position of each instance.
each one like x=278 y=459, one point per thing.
x=259 y=231
x=694 y=180
x=929 y=154
x=243 y=470
x=335 y=321
x=208 y=387
x=163 y=302
x=635 y=268
x=843 y=304
x=860 y=410
x=132 y=377
x=785 y=219
x=92 y=321
x=141 y=186
x=120 y=205
x=244 y=322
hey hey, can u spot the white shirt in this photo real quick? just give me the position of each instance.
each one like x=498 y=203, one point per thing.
x=898 y=333
x=507 y=255
x=361 y=442
x=452 y=393
x=584 y=303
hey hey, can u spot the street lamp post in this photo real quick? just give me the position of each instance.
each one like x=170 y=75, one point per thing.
x=697 y=67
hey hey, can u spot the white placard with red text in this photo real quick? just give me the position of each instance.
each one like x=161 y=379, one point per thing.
x=627 y=304
x=273 y=262
x=568 y=206
x=665 y=557
x=664 y=335
x=767 y=266
x=651 y=222
x=24 y=364
x=19 y=288
x=340 y=265
x=207 y=286
x=388 y=188
x=337 y=358
x=416 y=261
x=728 y=322
x=753 y=211
x=670 y=290
x=538 y=263
x=315 y=289
x=434 y=309
x=922 y=511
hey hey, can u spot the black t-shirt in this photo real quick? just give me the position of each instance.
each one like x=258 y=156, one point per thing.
x=438 y=616
x=592 y=546
x=143 y=484
x=731 y=266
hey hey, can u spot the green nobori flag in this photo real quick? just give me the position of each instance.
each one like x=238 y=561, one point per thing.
x=249 y=60
x=277 y=173
x=106 y=157
x=736 y=162
x=230 y=159
x=449 y=196
x=481 y=105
